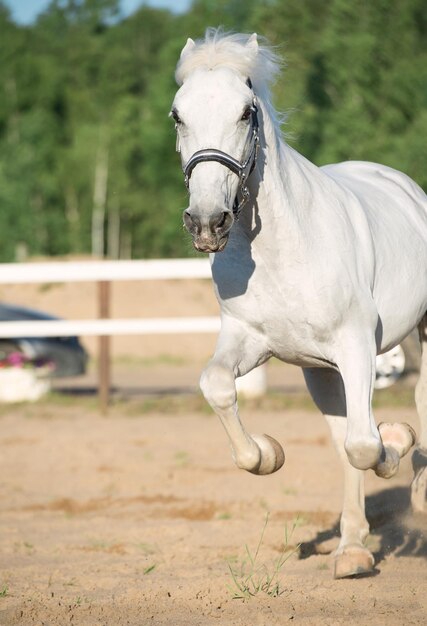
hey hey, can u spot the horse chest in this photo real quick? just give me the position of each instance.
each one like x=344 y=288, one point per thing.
x=283 y=312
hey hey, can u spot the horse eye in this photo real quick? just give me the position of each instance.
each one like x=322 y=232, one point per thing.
x=175 y=116
x=246 y=114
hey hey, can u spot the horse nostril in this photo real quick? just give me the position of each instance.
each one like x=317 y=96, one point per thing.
x=221 y=221
x=187 y=218
x=192 y=224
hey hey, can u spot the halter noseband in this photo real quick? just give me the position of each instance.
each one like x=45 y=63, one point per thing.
x=242 y=169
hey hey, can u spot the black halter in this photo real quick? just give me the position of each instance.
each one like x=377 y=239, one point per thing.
x=241 y=169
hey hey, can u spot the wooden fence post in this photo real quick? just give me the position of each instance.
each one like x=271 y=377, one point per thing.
x=104 y=348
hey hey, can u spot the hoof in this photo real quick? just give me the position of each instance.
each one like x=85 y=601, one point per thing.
x=389 y=463
x=353 y=561
x=401 y=437
x=397 y=440
x=272 y=455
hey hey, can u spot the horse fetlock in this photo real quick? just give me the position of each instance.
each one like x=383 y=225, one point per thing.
x=364 y=454
x=354 y=531
x=272 y=456
x=248 y=459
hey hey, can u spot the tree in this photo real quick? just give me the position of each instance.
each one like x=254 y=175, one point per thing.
x=86 y=146
x=365 y=89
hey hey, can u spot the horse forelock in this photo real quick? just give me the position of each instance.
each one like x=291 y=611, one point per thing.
x=221 y=49
x=259 y=62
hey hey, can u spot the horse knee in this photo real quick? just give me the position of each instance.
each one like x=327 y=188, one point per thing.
x=218 y=386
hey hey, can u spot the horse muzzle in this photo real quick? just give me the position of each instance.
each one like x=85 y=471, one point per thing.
x=210 y=234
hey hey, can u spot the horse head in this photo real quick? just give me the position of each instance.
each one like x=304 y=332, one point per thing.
x=215 y=114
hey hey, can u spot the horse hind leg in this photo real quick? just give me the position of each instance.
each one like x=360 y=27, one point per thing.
x=352 y=558
x=367 y=446
x=419 y=457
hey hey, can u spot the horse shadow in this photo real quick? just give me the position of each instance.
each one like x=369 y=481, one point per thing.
x=395 y=527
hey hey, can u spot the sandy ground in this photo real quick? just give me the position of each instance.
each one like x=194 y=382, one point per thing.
x=137 y=517
x=134 y=518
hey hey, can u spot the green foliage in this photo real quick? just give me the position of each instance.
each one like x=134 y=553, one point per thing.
x=85 y=96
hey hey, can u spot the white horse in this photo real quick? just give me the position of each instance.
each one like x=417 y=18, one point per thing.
x=319 y=267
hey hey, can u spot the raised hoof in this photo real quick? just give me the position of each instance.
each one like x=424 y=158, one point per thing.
x=400 y=436
x=389 y=464
x=353 y=561
x=272 y=455
x=397 y=440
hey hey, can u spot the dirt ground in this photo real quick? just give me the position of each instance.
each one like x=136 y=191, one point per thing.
x=137 y=517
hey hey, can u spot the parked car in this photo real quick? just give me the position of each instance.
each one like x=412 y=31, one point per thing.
x=65 y=355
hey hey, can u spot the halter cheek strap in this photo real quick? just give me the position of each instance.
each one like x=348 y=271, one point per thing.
x=241 y=169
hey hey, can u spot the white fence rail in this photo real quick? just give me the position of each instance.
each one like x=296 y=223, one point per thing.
x=85 y=271
x=106 y=271
x=102 y=327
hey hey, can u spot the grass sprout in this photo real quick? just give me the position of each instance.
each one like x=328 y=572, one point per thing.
x=250 y=577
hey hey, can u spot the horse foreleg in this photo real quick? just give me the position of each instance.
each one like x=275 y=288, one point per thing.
x=351 y=557
x=419 y=458
x=235 y=355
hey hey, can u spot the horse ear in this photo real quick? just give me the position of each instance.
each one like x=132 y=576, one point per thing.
x=253 y=42
x=188 y=47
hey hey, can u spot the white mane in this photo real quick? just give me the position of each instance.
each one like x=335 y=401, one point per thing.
x=220 y=49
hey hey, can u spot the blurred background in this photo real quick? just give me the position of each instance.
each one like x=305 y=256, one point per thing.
x=87 y=152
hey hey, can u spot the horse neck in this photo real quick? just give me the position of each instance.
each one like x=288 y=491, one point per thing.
x=284 y=185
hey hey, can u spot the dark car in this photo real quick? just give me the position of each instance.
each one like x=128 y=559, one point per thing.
x=65 y=355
